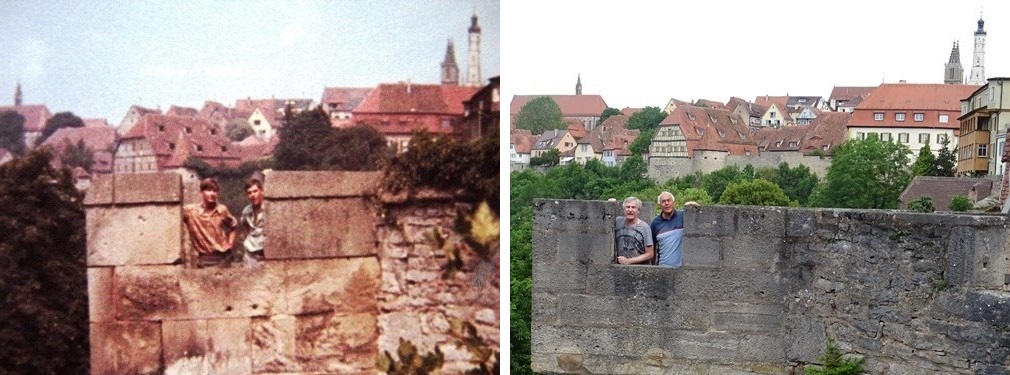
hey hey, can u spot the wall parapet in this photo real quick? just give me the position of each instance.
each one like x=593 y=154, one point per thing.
x=762 y=288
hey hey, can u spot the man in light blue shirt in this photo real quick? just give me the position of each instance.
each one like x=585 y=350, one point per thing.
x=668 y=230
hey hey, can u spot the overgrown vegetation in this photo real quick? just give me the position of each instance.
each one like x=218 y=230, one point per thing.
x=309 y=143
x=960 y=203
x=921 y=204
x=833 y=363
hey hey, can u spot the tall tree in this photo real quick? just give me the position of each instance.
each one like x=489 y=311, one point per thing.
x=308 y=142
x=540 y=114
x=58 y=121
x=43 y=280
x=646 y=121
x=867 y=173
x=946 y=162
x=77 y=155
x=755 y=193
x=717 y=181
x=607 y=113
x=798 y=183
x=356 y=148
x=925 y=163
x=12 y=132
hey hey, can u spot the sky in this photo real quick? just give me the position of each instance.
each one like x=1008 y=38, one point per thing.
x=643 y=53
x=96 y=59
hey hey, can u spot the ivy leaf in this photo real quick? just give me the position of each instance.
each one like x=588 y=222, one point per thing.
x=484 y=227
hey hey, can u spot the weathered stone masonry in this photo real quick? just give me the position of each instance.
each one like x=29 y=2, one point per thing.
x=346 y=275
x=763 y=287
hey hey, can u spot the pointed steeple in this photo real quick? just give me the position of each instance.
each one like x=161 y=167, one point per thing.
x=977 y=76
x=450 y=71
x=578 y=85
x=953 y=73
x=955 y=54
x=17 y=95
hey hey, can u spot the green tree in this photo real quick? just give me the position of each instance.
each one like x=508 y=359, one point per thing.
x=925 y=164
x=308 y=142
x=12 y=132
x=238 y=129
x=77 y=155
x=946 y=162
x=867 y=173
x=717 y=181
x=470 y=169
x=607 y=113
x=646 y=121
x=58 y=121
x=832 y=363
x=547 y=159
x=356 y=148
x=798 y=183
x=634 y=168
x=540 y=114
x=960 y=203
x=755 y=193
x=642 y=142
x=43 y=283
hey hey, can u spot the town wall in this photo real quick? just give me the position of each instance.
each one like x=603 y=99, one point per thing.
x=762 y=288
x=662 y=169
x=347 y=274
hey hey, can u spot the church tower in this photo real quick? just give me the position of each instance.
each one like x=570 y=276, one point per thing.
x=450 y=72
x=578 y=85
x=473 y=77
x=17 y=95
x=978 y=58
x=953 y=72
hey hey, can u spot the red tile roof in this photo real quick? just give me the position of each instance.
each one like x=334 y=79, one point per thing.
x=709 y=103
x=571 y=105
x=215 y=112
x=95 y=123
x=190 y=136
x=181 y=111
x=628 y=111
x=850 y=92
x=614 y=134
x=35 y=115
x=577 y=128
x=523 y=140
x=767 y=101
x=712 y=129
x=344 y=98
x=930 y=99
x=416 y=98
x=942 y=189
x=99 y=139
x=827 y=130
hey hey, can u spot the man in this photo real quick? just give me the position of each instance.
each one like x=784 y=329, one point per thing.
x=668 y=228
x=632 y=236
x=211 y=226
x=251 y=221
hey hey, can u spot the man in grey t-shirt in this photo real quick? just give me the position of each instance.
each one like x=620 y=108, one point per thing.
x=632 y=236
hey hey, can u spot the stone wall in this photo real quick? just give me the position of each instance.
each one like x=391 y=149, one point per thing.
x=346 y=275
x=662 y=169
x=763 y=287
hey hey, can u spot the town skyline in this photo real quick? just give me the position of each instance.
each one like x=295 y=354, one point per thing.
x=644 y=56
x=101 y=59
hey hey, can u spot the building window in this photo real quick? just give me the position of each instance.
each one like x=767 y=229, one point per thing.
x=944 y=118
x=903 y=137
x=256 y=122
x=940 y=138
x=224 y=148
x=161 y=128
x=923 y=138
x=860 y=135
x=189 y=130
x=771 y=114
x=899 y=117
x=982 y=150
x=918 y=117
x=199 y=148
x=171 y=146
x=886 y=137
x=878 y=116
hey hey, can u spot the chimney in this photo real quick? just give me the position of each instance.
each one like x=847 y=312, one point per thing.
x=408 y=85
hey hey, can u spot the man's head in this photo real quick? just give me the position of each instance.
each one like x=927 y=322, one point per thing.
x=667 y=203
x=254 y=191
x=631 y=207
x=208 y=191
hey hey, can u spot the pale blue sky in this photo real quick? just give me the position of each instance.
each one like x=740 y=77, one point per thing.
x=97 y=59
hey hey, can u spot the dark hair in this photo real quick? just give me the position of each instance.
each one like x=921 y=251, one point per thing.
x=253 y=181
x=209 y=184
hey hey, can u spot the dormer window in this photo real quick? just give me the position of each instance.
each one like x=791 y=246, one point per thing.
x=171 y=146
x=690 y=115
x=189 y=130
x=161 y=128
x=712 y=118
x=213 y=131
x=699 y=131
x=224 y=149
x=722 y=134
x=199 y=148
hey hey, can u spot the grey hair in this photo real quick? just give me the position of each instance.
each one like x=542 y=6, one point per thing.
x=660 y=197
x=638 y=202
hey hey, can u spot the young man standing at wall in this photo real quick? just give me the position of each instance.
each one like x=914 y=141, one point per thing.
x=251 y=222
x=211 y=226
x=632 y=236
x=668 y=229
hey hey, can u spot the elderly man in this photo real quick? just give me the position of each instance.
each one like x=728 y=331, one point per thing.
x=632 y=236
x=668 y=229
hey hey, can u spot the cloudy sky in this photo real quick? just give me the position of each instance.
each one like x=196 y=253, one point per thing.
x=96 y=59
x=642 y=53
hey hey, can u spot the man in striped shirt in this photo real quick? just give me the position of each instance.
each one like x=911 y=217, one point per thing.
x=668 y=230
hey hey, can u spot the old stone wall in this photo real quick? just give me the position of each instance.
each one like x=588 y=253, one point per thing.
x=763 y=287
x=662 y=169
x=346 y=275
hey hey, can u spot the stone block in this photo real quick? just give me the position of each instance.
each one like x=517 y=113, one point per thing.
x=337 y=343
x=631 y=281
x=574 y=216
x=229 y=344
x=800 y=222
x=583 y=310
x=710 y=221
x=100 y=294
x=960 y=256
x=320 y=184
x=183 y=340
x=701 y=346
x=545 y=245
x=761 y=221
x=745 y=317
x=752 y=252
x=147 y=188
x=588 y=340
x=761 y=348
x=804 y=338
x=125 y=347
x=320 y=228
x=341 y=285
x=702 y=252
x=544 y=308
x=101 y=190
x=729 y=285
x=134 y=235
x=989 y=264
x=586 y=248
x=273 y=344
x=560 y=277
x=988 y=306
x=168 y=292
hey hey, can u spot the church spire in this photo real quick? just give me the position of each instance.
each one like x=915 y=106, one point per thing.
x=473 y=76
x=578 y=85
x=953 y=72
x=978 y=56
x=450 y=71
x=17 y=95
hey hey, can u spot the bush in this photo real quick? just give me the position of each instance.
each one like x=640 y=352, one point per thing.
x=960 y=203
x=832 y=363
x=921 y=204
